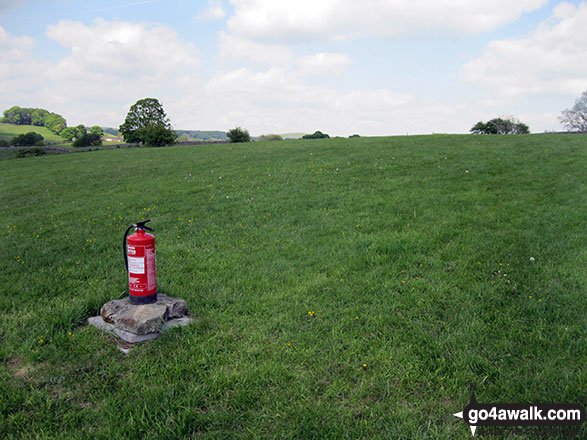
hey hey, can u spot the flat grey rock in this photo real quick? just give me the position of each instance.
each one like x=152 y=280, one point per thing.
x=138 y=323
x=132 y=338
x=143 y=319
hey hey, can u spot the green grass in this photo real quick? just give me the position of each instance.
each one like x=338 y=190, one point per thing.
x=414 y=253
x=8 y=131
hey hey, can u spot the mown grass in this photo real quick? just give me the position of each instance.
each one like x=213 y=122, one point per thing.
x=428 y=264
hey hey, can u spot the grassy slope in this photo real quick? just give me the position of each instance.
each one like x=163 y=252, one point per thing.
x=413 y=252
x=8 y=131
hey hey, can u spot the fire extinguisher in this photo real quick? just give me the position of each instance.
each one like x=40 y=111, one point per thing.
x=139 y=258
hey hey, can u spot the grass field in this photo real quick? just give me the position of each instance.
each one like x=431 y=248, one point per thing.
x=343 y=288
x=8 y=131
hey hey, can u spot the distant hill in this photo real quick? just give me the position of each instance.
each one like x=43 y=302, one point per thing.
x=110 y=130
x=292 y=135
x=8 y=131
x=199 y=135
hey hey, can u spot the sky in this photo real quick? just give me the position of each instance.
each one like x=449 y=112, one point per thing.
x=369 y=67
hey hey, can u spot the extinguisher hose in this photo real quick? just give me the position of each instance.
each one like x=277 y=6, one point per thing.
x=138 y=225
x=124 y=246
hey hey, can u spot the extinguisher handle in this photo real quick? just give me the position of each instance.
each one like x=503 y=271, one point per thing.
x=141 y=225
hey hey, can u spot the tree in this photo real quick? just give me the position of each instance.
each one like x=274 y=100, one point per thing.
x=69 y=134
x=575 y=118
x=507 y=125
x=34 y=116
x=317 y=135
x=145 y=122
x=55 y=123
x=479 y=128
x=88 y=140
x=238 y=135
x=96 y=129
x=39 y=116
x=81 y=130
x=27 y=140
x=158 y=136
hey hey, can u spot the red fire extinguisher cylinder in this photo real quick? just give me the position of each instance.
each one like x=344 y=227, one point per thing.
x=141 y=266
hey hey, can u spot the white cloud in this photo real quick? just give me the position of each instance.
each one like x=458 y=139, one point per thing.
x=340 y=19
x=19 y=71
x=278 y=100
x=324 y=63
x=238 y=48
x=118 y=62
x=110 y=65
x=214 y=11
x=552 y=59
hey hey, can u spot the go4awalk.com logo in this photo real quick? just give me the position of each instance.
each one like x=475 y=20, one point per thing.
x=515 y=414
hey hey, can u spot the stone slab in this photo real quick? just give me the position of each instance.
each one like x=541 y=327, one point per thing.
x=143 y=319
x=132 y=338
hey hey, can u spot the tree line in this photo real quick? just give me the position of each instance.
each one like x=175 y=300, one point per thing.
x=35 y=116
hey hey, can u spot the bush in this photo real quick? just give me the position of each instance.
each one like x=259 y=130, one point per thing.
x=270 y=137
x=238 y=135
x=88 y=140
x=354 y=136
x=316 y=135
x=508 y=125
x=30 y=152
x=158 y=135
x=27 y=140
x=4 y=143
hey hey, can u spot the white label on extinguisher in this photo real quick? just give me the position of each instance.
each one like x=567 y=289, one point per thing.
x=151 y=271
x=136 y=265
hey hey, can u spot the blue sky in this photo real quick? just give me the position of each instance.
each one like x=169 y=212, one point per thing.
x=340 y=66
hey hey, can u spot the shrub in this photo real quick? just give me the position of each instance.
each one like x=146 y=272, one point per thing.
x=270 y=137
x=238 y=135
x=88 y=140
x=27 y=140
x=158 y=135
x=30 y=152
x=4 y=143
x=509 y=125
x=354 y=136
x=316 y=135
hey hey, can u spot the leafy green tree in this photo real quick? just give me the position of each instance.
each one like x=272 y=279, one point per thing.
x=158 y=136
x=55 y=123
x=479 y=128
x=575 y=118
x=69 y=134
x=509 y=125
x=81 y=130
x=27 y=140
x=96 y=129
x=316 y=135
x=88 y=140
x=147 y=122
x=39 y=116
x=17 y=115
x=238 y=134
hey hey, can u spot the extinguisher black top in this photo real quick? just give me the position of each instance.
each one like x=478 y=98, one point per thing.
x=137 y=226
x=141 y=225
